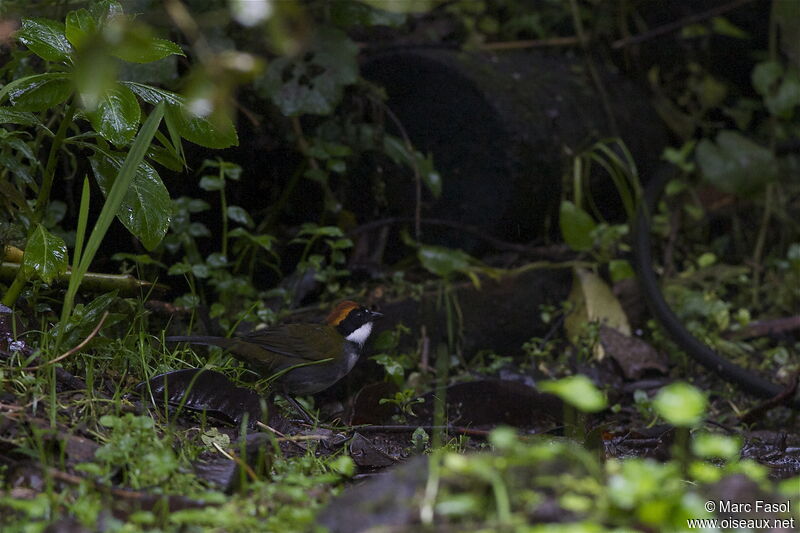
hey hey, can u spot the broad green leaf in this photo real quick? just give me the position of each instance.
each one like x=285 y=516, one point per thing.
x=680 y=404
x=45 y=255
x=443 y=262
x=784 y=101
x=735 y=164
x=212 y=183
x=165 y=157
x=781 y=91
x=154 y=95
x=80 y=27
x=312 y=84
x=398 y=152
x=264 y=241
x=711 y=446
x=201 y=130
x=146 y=208
x=765 y=76
x=576 y=226
x=323 y=231
x=12 y=116
x=45 y=38
x=87 y=316
x=146 y=50
x=238 y=214
x=431 y=178
x=38 y=92
x=105 y=10
x=620 y=269
x=216 y=260
x=578 y=391
x=117 y=116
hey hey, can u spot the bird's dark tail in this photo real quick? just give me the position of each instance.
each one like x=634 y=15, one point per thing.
x=222 y=342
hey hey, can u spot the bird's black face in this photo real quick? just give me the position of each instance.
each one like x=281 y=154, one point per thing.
x=355 y=324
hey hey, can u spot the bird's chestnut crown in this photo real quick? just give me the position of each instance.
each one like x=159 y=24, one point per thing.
x=350 y=318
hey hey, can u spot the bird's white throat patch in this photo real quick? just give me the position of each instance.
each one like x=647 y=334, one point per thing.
x=360 y=335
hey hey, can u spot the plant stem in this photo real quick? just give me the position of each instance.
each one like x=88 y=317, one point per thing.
x=224 y=202
x=593 y=73
x=11 y=295
x=43 y=199
x=760 y=241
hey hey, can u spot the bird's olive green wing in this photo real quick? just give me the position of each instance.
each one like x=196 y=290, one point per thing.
x=288 y=345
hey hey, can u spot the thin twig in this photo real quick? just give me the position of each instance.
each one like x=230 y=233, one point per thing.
x=531 y=43
x=281 y=435
x=758 y=251
x=410 y=429
x=595 y=75
x=237 y=460
x=465 y=228
x=415 y=168
x=188 y=26
x=784 y=398
x=678 y=24
x=425 y=350
x=79 y=347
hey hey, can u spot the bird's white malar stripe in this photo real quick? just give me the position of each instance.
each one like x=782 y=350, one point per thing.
x=361 y=335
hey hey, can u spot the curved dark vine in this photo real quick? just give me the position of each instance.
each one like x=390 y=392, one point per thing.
x=648 y=280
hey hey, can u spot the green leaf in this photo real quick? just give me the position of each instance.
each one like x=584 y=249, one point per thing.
x=430 y=177
x=80 y=27
x=139 y=259
x=781 y=92
x=45 y=255
x=710 y=446
x=117 y=116
x=680 y=404
x=578 y=391
x=576 y=226
x=786 y=98
x=45 y=38
x=620 y=269
x=443 y=262
x=402 y=6
x=212 y=183
x=765 y=76
x=38 y=92
x=314 y=83
x=322 y=231
x=146 y=208
x=154 y=95
x=723 y=26
x=12 y=116
x=201 y=130
x=147 y=50
x=238 y=214
x=735 y=164
x=105 y=10
x=165 y=157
